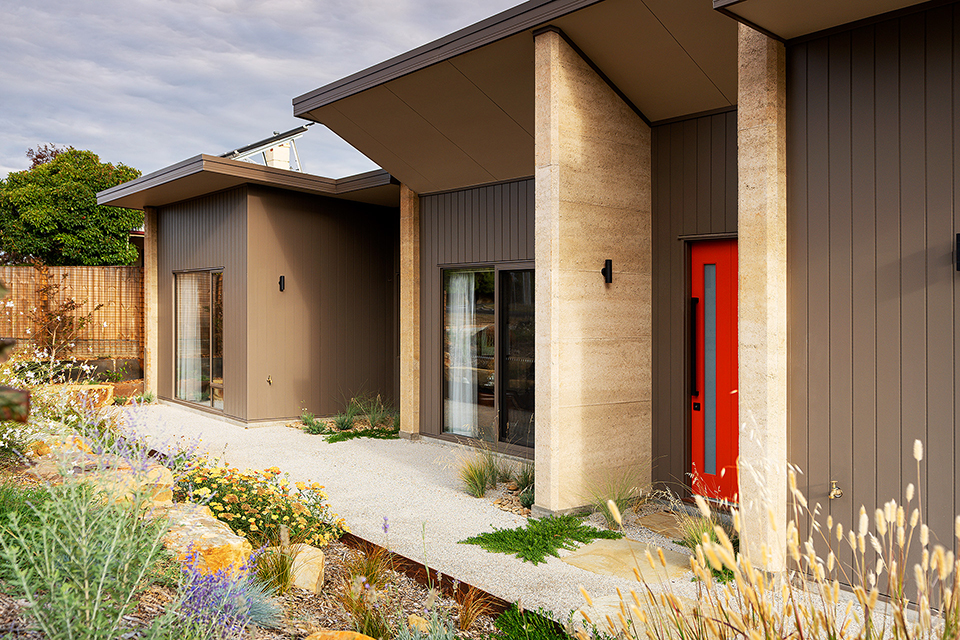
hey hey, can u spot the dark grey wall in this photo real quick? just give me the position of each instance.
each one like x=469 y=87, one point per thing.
x=201 y=234
x=872 y=157
x=485 y=225
x=694 y=192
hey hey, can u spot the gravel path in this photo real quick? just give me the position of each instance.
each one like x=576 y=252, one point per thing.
x=413 y=484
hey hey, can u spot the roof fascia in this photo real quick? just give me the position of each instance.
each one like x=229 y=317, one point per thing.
x=176 y=171
x=516 y=20
x=251 y=173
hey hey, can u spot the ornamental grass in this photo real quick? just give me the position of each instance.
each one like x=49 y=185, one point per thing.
x=256 y=503
x=887 y=593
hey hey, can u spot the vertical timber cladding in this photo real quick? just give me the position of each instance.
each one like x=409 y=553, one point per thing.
x=694 y=193
x=872 y=119
x=483 y=225
x=331 y=334
x=200 y=234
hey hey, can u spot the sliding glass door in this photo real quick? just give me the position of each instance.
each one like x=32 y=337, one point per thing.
x=488 y=329
x=199 y=337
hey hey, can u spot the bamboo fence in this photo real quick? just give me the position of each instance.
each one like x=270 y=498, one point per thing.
x=115 y=330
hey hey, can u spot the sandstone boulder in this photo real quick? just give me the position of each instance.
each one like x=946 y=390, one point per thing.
x=307 y=566
x=194 y=529
x=123 y=484
x=337 y=635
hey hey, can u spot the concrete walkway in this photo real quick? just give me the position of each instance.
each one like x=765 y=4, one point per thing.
x=413 y=485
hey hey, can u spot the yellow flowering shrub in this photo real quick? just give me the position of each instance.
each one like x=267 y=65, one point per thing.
x=256 y=503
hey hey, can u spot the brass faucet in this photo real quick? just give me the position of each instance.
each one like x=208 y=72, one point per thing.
x=835 y=491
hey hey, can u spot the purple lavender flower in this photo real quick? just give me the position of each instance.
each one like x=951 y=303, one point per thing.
x=386 y=525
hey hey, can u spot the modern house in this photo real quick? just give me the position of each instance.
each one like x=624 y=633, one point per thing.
x=660 y=237
x=268 y=291
x=686 y=242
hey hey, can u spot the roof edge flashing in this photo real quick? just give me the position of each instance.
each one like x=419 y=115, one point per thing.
x=513 y=21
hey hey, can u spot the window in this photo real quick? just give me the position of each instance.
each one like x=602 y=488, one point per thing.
x=488 y=354
x=199 y=337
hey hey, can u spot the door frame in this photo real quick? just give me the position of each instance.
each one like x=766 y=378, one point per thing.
x=688 y=240
x=498 y=267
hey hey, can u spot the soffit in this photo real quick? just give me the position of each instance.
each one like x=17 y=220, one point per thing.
x=788 y=19
x=203 y=174
x=468 y=118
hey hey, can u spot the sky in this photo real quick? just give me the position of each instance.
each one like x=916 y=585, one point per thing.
x=152 y=82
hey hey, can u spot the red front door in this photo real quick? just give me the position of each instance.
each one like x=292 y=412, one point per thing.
x=714 y=404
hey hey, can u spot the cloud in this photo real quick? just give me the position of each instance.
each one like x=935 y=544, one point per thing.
x=152 y=82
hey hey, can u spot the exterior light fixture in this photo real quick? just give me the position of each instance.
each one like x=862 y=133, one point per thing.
x=283 y=283
x=607 y=270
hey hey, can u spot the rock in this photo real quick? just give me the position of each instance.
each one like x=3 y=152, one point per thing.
x=307 y=566
x=194 y=529
x=92 y=396
x=46 y=470
x=415 y=622
x=39 y=448
x=337 y=635
x=512 y=486
x=122 y=484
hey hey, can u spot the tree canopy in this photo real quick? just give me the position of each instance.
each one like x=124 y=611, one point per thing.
x=49 y=213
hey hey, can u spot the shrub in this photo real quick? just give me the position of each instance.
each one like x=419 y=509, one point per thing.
x=515 y=624
x=79 y=563
x=256 y=503
x=311 y=424
x=224 y=602
x=439 y=628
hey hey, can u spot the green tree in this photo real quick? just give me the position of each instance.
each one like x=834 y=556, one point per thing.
x=49 y=213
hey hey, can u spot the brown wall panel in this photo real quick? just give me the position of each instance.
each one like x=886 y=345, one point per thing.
x=205 y=233
x=694 y=193
x=330 y=335
x=872 y=138
x=484 y=225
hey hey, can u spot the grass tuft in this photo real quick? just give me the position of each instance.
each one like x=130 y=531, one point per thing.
x=472 y=603
x=540 y=538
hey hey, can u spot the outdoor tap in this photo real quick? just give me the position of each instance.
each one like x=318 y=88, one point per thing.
x=835 y=491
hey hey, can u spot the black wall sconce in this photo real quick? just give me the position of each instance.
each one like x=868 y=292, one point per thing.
x=607 y=271
x=283 y=283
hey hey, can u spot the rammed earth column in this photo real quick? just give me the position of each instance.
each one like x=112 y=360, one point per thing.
x=151 y=302
x=762 y=295
x=409 y=313
x=593 y=342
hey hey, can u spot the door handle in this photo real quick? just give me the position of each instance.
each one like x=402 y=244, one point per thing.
x=693 y=347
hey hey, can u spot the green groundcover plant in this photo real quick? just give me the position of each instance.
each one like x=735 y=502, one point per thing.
x=255 y=503
x=540 y=538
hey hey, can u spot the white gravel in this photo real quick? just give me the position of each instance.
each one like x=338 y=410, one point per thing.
x=412 y=484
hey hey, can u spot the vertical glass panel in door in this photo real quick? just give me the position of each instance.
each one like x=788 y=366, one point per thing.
x=193 y=337
x=216 y=350
x=469 y=353
x=710 y=369
x=517 y=312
